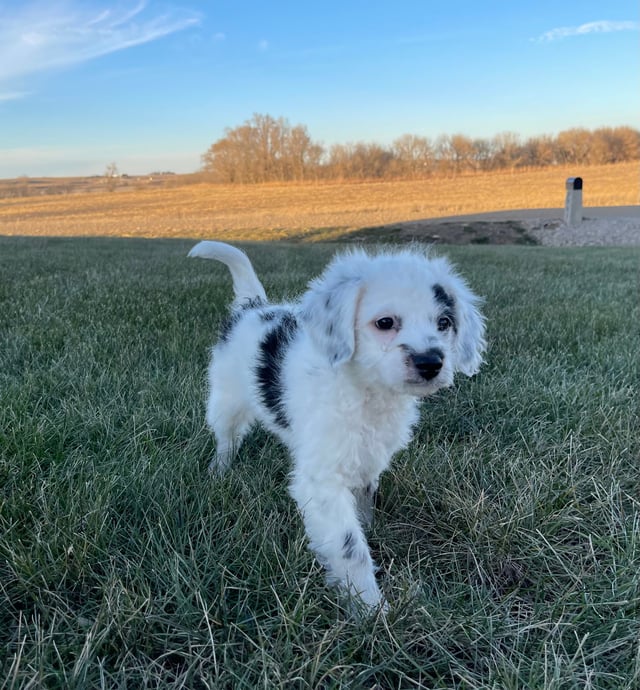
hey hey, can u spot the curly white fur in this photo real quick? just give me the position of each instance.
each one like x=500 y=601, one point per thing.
x=338 y=376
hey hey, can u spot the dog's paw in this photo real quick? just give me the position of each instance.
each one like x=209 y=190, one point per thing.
x=358 y=609
x=218 y=465
x=365 y=600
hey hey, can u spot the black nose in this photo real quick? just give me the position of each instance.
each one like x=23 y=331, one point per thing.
x=428 y=363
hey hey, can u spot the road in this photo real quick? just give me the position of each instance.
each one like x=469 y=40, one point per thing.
x=595 y=212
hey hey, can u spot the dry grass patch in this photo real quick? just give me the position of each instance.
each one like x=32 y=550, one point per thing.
x=278 y=211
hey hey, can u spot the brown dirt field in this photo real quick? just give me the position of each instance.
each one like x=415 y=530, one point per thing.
x=313 y=211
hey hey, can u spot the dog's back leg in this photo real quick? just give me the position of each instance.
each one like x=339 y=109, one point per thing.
x=230 y=409
x=228 y=440
x=229 y=424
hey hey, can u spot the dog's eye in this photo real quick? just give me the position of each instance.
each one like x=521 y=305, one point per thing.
x=386 y=323
x=444 y=323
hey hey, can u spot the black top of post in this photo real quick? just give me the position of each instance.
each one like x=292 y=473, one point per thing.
x=577 y=183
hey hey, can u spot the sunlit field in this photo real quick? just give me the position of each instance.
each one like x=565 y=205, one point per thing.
x=290 y=211
x=507 y=534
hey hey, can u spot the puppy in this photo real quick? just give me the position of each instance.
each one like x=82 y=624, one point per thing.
x=338 y=376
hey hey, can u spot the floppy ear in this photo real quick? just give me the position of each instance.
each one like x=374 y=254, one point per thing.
x=329 y=310
x=471 y=342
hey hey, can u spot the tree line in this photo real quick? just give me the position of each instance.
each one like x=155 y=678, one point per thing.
x=266 y=149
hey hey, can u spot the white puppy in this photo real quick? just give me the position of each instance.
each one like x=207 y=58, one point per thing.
x=338 y=376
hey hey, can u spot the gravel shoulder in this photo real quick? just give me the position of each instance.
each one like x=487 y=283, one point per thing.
x=592 y=232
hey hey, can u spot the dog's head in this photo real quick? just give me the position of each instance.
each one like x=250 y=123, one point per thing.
x=401 y=319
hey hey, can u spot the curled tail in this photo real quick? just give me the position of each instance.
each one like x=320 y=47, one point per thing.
x=245 y=281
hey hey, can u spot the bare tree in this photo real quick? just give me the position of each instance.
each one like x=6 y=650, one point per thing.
x=413 y=156
x=462 y=152
x=455 y=153
x=111 y=176
x=359 y=161
x=573 y=146
x=614 y=144
x=507 y=150
x=629 y=143
x=482 y=154
x=265 y=149
x=303 y=157
x=538 y=151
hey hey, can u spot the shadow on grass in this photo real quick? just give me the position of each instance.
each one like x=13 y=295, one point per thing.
x=432 y=232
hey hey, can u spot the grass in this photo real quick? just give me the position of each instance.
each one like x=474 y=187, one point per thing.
x=305 y=211
x=508 y=533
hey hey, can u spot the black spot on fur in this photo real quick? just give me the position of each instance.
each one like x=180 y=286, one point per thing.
x=269 y=370
x=252 y=303
x=349 y=545
x=448 y=304
x=268 y=316
x=442 y=296
x=234 y=317
x=339 y=354
x=228 y=325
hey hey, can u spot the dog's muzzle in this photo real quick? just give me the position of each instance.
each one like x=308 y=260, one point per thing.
x=428 y=364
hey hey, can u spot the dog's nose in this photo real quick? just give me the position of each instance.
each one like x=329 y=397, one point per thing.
x=428 y=363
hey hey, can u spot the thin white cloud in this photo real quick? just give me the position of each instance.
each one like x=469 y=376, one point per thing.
x=12 y=95
x=39 y=35
x=55 y=161
x=599 y=27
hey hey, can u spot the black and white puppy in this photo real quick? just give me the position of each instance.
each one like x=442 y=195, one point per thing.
x=338 y=376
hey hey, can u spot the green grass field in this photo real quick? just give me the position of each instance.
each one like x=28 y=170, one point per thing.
x=508 y=534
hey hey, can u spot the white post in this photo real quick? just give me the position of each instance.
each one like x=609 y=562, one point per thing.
x=573 y=201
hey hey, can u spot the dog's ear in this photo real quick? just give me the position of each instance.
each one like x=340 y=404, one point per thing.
x=470 y=341
x=329 y=310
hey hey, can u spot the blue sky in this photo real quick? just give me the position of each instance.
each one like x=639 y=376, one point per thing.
x=151 y=85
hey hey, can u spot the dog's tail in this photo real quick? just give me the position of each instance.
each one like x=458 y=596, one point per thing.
x=246 y=285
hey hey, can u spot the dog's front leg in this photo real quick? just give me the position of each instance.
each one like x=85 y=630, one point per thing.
x=365 y=499
x=336 y=536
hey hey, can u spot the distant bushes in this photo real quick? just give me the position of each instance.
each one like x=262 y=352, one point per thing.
x=264 y=149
